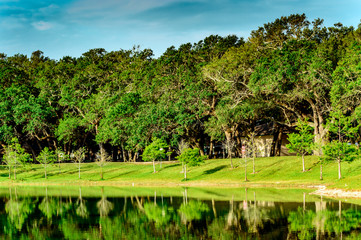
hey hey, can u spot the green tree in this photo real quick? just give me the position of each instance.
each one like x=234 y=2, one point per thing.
x=15 y=156
x=46 y=158
x=155 y=151
x=102 y=158
x=78 y=157
x=61 y=155
x=229 y=144
x=301 y=142
x=190 y=157
x=341 y=150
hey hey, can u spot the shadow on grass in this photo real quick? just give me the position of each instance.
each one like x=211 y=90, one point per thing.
x=171 y=165
x=75 y=171
x=214 y=170
x=118 y=175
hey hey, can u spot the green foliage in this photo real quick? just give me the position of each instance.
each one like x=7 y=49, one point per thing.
x=78 y=157
x=340 y=151
x=193 y=210
x=286 y=70
x=155 y=150
x=191 y=157
x=46 y=158
x=102 y=158
x=15 y=156
x=161 y=215
x=342 y=126
x=301 y=142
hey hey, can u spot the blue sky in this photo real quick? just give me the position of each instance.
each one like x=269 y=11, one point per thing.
x=71 y=27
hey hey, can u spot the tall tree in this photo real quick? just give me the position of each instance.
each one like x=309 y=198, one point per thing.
x=301 y=142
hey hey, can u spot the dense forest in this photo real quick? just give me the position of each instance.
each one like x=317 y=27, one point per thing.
x=204 y=93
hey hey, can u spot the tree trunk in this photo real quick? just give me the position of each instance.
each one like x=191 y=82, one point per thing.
x=279 y=143
x=321 y=177
x=339 y=168
x=319 y=131
x=79 y=169
x=210 y=155
x=123 y=153
x=185 y=171
x=230 y=158
x=15 y=172
x=228 y=144
x=254 y=168
x=153 y=166
x=245 y=169
x=303 y=163
x=200 y=147
x=274 y=140
x=9 y=172
x=169 y=156
x=135 y=157
x=101 y=173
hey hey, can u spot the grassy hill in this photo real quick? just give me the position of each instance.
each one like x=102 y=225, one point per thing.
x=276 y=171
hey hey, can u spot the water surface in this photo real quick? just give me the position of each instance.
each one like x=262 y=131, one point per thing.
x=173 y=213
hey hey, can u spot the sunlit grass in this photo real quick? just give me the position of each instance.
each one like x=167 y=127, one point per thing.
x=276 y=171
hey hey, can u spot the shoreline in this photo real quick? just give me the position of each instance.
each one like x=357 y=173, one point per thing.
x=322 y=190
x=338 y=193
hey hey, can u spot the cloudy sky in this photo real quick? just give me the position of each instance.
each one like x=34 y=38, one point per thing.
x=71 y=27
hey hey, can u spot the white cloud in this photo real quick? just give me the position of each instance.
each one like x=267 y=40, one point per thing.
x=125 y=6
x=42 y=26
x=49 y=9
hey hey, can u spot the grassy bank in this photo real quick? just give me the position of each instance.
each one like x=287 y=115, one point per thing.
x=277 y=171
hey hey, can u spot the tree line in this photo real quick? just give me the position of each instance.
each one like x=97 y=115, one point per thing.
x=205 y=93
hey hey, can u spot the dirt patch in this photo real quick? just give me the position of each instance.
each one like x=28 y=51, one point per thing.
x=337 y=193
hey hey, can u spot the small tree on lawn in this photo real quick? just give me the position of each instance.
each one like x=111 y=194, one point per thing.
x=341 y=150
x=8 y=159
x=78 y=157
x=155 y=151
x=15 y=156
x=102 y=158
x=61 y=157
x=253 y=148
x=229 y=144
x=301 y=142
x=46 y=158
x=190 y=157
x=182 y=146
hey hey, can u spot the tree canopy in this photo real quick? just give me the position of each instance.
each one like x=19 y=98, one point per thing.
x=217 y=89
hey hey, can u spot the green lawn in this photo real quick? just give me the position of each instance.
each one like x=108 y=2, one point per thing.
x=276 y=171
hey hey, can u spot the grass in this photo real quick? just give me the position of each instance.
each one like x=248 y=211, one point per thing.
x=276 y=171
x=204 y=193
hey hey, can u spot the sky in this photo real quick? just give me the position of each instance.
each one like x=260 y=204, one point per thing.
x=71 y=27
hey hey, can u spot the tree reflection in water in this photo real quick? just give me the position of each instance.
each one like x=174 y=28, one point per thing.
x=156 y=217
x=81 y=209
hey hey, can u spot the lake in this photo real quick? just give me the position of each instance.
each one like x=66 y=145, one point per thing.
x=173 y=213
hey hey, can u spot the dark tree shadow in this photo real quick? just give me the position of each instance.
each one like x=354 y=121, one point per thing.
x=171 y=165
x=213 y=170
